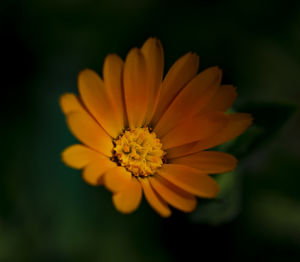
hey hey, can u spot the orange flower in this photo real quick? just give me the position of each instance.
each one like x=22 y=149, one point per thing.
x=141 y=133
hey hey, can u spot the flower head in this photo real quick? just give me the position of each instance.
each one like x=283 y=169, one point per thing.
x=145 y=134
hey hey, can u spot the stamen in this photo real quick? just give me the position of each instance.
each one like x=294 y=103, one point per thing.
x=139 y=151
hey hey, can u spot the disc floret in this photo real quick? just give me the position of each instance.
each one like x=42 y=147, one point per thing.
x=139 y=151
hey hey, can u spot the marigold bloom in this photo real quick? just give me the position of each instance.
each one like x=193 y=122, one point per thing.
x=142 y=133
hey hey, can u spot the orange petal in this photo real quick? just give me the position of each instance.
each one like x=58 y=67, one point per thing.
x=182 y=71
x=154 y=58
x=94 y=171
x=222 y=100
x=193 y=129
x=117 y=178
x=155 y=201
x=113 y=77
x=97 y=101
x=70 y=103
x=190 y=100
x=135 y=88
x=190 y=180
x=84 y=127
x=178 y=151
x=128 y=200
x=78 y=156
x=173 y=195
x=237 y=124
x=210 y=162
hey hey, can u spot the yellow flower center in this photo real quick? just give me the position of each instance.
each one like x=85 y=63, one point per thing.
x=139 y=151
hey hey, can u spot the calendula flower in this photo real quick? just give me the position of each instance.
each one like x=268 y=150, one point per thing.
x=145 y=134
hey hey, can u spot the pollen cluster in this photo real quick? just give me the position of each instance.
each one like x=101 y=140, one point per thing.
x=139 y=151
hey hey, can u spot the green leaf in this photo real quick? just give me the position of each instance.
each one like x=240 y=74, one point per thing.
x=225 y=207
x=269 y=118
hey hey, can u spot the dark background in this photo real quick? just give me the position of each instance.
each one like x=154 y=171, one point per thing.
x=47 y=213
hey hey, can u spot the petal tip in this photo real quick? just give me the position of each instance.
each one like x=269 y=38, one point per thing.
x=112 y=56
x=193 y=57
x=69 y=102
x=84 y=71
x=63 y=99
x=249 y=119
x=133 y=51
x=64 y=159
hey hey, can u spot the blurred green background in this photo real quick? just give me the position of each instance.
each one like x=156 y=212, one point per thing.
x=47 y=213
